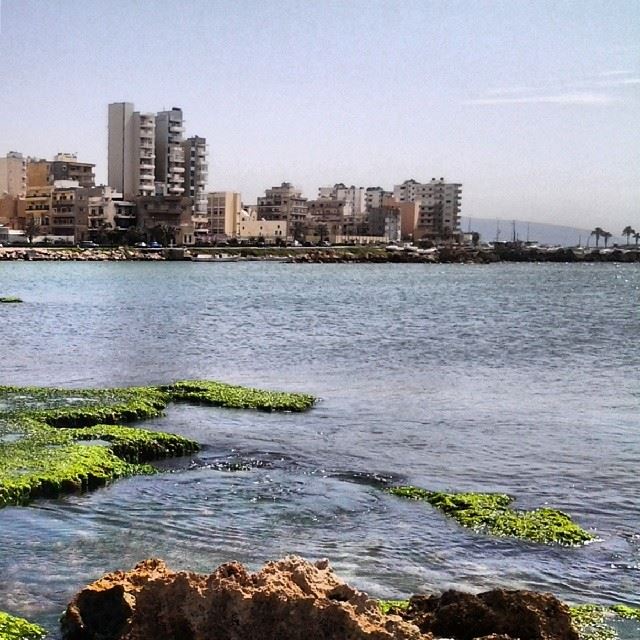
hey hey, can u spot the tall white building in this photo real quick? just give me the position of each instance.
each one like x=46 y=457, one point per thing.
x=131 y=150
x=439 y=214
x=170 y=159
x=13 y=175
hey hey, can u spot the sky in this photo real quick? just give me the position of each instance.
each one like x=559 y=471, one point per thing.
x=534 y=106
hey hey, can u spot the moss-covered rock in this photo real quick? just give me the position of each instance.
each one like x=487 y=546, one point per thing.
x=12 y=628
x=48 y=435
x=9 y=300
x=492 y=513
x=219 y=394
x=626 y=612
x=392 y=606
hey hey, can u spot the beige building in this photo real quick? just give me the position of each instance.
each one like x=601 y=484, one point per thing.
x=12 y=212
x=13 y=175
x=409 y=214
x=374 y=197
x=38 y=208
x=223 y=212
x=268 y=231
x=38 y=173
x=62 y=217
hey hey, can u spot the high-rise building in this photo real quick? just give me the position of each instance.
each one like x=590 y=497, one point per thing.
x=13 y=174
x=169 y=152
x=195 y=182
x=131 y=168
x=223 y=211
x=439 y=214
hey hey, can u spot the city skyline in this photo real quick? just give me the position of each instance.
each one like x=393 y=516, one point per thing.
x=533 y=108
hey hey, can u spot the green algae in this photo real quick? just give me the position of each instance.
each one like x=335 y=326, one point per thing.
x=392 y=606
x=219 y=394
x=10 y=300
x=626 y=612
x=492 y=513
x=48 y=435
x=13 y=628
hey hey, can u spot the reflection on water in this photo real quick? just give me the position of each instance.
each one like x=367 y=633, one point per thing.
x=515 y=378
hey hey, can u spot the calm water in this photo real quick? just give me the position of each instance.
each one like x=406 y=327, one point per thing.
x=515 y=378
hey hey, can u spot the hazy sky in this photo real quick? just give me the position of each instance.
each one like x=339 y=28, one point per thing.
x=533 y=106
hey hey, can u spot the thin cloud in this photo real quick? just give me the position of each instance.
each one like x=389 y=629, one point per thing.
x=615 y=72
x=559 y=98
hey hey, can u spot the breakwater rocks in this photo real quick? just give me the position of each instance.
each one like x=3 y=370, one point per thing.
x=292 y=599
x=331 y=255
x=81 y=255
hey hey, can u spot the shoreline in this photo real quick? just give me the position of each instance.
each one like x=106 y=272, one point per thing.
x=318 y=255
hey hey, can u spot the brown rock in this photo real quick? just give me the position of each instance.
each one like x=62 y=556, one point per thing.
x=290 y=599
x=525 y=615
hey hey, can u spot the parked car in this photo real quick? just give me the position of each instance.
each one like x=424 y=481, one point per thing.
x=88 y=244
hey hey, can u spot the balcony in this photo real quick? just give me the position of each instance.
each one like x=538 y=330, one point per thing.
x=176 y=190
x=176 y=128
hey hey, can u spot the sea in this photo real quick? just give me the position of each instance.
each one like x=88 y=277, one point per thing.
x=516 y=378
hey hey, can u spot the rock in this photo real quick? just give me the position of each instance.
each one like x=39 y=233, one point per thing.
x=493 y=615
x=290 y=599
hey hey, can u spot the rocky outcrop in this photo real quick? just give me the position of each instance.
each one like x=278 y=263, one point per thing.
x=287 y=600
x=292 y=599
x=498 y=614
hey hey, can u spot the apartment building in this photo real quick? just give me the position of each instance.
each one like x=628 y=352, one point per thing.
x=330 y=217
x=131 y=150
x=374 y=196
x=13 y=175
x=170 y=159
x=65 y=166
x=101 y=214
x=62 y=216
x=167 y=216
x=284 y=203
x=439 y=206
x=353 y=197
x=223 y=213
x=195 y=183
x=38 y=208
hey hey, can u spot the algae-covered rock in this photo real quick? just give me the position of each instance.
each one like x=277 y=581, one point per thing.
x=13 y=628
x=46 y=433
x=9 y=300
x=231 y=396
x=492 y=513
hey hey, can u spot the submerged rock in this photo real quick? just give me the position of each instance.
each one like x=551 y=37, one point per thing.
x=292 y=599
x=499 y=613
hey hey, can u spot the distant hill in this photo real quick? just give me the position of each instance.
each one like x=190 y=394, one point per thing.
x=533 y=231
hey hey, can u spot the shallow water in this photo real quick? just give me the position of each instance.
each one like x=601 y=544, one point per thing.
x=515 y=378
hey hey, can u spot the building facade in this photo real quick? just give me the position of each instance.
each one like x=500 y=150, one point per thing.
x=166 y=219
x=131 y=150
x=223 y=213
x=374 y=196
x=13 y=175
x=285 y=203
x=101 y=215
x=195 y=183
x=439 y=207
x=65 y=166
x=170 y=160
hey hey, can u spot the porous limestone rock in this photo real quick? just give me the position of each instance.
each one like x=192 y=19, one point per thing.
x=290 y=599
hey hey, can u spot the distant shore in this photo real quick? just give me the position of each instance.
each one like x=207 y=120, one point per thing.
x=321 y=255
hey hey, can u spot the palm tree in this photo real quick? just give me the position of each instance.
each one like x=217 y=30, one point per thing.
x=636 y=237
x=606 y=235
x=597 y=232
x=628 y=231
